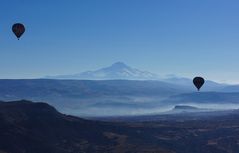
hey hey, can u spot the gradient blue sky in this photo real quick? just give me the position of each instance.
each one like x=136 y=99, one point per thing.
x=182 y=37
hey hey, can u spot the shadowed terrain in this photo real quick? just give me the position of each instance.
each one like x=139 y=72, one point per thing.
x=28 y=127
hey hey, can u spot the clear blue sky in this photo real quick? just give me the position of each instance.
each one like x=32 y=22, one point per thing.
x=182 y=37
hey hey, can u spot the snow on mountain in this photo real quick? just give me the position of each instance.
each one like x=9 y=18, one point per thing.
x=118 y=70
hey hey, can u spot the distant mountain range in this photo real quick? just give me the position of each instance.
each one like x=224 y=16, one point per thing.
x=121 y=71
x=117 y=90
x=188 y=109
x=91 y=97
x=205 y=98
x=208 y=85
x=116 y=71
x=116 y=97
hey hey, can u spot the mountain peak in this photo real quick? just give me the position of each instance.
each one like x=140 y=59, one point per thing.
x=118 y=70
x=119 y=65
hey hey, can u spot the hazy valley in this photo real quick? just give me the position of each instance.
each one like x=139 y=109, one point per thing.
x=28 y=127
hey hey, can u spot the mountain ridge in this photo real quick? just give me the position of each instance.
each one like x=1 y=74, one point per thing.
x=121 y=71
x=110 y=97
x=118 y=70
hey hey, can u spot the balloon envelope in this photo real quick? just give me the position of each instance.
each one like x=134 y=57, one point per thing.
x=18 y=29
x=198 y=82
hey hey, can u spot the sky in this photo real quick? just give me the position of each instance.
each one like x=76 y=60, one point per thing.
x=181 y=37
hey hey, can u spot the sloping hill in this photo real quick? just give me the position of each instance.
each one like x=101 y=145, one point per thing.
x=28 y=127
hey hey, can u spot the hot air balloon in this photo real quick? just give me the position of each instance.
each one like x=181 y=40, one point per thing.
x=198 y=82
x=18 y=29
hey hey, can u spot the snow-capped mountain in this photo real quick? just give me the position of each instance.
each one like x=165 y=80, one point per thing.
x=117 y=70
x=121 y=71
